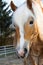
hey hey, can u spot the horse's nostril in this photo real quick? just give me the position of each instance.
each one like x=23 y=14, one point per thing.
x=25 y=50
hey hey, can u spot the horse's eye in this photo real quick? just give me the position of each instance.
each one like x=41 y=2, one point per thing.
x=31 y=22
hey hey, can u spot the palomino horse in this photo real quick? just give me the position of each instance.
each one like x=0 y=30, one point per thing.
x=28 y=19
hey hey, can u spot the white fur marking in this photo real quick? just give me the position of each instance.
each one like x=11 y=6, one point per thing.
x=21 y=38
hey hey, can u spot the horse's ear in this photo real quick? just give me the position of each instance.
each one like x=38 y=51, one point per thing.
x=42 y=9
x=13 y=7
x=29 y=4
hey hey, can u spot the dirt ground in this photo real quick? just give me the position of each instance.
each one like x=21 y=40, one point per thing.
x=14 y=60
x=11 y=60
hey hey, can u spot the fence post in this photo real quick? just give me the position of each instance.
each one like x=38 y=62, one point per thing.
x=5 y=50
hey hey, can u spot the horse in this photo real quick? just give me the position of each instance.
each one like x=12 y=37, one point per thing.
x=28 y=20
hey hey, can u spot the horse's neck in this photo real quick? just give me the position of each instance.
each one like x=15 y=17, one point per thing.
x=37 y=50
x=37 y=46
